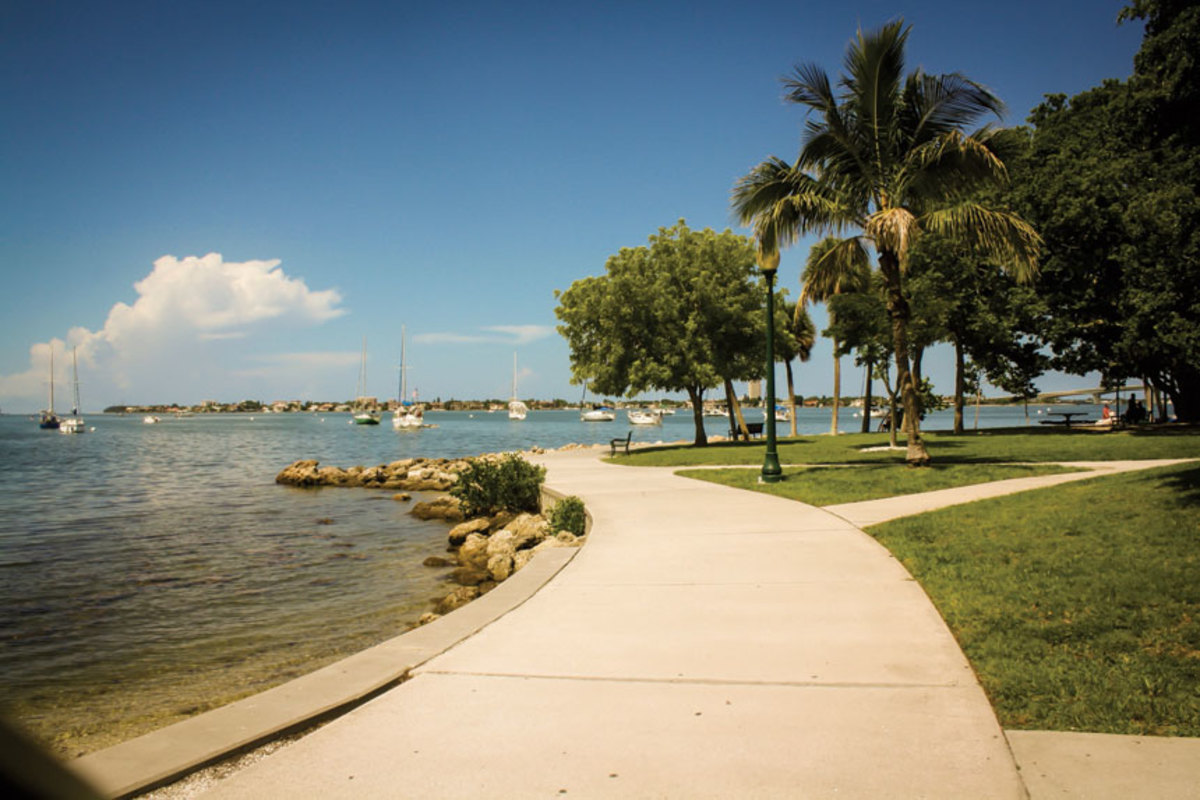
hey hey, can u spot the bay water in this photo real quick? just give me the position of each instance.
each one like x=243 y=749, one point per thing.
x=150 y=572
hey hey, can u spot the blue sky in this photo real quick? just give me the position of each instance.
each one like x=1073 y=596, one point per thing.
x=221 y=199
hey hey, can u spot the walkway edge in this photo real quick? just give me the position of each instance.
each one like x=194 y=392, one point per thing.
x=165 y=755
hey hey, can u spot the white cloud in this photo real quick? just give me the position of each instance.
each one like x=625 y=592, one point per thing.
x=186 y=314
x=499 y=334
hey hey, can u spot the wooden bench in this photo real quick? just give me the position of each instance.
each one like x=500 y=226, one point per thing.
x=752 y=428
x=619 y=442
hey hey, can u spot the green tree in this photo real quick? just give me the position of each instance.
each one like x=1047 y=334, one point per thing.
x=1113 y=182
x=888 y=155
x=682 y=314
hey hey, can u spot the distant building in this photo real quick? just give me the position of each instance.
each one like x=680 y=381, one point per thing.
x=754 y=390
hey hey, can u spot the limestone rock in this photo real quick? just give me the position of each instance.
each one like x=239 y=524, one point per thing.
x=299 y=473
x=528 y=530
x=469 y=576
x=474 y=552
x=456 y=599
x=458 y=534
x=500 y=566
x=445 y=507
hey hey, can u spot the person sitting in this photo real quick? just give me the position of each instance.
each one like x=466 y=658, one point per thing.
x=1135 y=413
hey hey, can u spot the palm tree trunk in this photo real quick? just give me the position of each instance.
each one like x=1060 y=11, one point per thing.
x=735 y=412
x=898 y=310
x=787 y=368
x=837 y=385
x=959 y=384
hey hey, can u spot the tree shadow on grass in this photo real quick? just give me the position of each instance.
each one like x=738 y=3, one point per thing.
x=1183 y=482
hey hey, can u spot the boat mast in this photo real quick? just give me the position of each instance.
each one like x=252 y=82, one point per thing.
x=403 y=368
x=75 y=374
x=52 y=377
x=362 y=373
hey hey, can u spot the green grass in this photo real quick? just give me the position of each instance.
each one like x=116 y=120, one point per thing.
x=823 y=486
x=1079 y=607
x=1032 y=444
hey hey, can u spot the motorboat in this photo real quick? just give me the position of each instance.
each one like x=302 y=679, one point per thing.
x=642 y=416
x=150 y=419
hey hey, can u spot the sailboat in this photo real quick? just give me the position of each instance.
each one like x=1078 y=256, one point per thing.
x=48 y=419
x=362 y=414
x=516 y=409
x=406 y=416
x=73 y=423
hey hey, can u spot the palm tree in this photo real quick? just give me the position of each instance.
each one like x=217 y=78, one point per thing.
x=797 y=343
x=834 y=267
x=887 y=155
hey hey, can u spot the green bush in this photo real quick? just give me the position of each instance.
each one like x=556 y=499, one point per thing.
x=488 y=486
x=568 y=515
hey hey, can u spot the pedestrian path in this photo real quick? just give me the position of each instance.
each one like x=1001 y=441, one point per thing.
x=707 y=642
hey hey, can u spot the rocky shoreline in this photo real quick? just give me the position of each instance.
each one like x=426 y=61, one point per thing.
x=484 y=551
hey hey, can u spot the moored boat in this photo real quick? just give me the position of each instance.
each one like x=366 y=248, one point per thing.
x=48 y=420
x=73 y=423
x=516 y=409
x=643 y=416
x=364 y=414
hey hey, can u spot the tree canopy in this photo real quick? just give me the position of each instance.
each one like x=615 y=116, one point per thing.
x=682 y=314
x=1112 y=181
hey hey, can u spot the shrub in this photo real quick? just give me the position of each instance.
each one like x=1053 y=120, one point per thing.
x=568 y=515
x=490 y=485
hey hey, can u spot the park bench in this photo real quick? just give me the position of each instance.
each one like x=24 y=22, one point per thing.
x=621 y=442
x=752 y=428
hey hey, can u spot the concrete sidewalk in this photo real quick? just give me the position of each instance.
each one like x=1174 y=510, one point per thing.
x=707 y=642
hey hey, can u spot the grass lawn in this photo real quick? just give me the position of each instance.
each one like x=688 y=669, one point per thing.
x=822 y=486
x=1079 y=607
x=1030 y=444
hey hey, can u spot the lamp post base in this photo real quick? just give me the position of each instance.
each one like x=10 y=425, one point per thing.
x=771 y=471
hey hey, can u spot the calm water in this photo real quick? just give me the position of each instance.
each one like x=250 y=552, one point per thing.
x=151 y=571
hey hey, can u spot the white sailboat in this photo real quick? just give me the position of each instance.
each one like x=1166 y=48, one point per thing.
x=516 y=409
x=362 y=414
x=406 y=416
x=73 y=423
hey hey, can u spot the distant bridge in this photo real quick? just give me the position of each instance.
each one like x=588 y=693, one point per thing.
x=1096 y=394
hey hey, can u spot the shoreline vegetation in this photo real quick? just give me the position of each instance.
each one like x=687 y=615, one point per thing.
x=487 y=543
x=557 y=404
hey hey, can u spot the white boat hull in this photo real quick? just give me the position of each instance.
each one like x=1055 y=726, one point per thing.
x=598 y=415
x=72 y=425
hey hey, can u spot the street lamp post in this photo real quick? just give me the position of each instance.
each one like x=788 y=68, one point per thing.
x=771 y=471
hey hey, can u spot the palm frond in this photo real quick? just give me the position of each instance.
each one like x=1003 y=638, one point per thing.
x=834 y=266
x=809 y=86
x=998 y=235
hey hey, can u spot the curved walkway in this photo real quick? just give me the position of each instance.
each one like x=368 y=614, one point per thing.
x=707 y=642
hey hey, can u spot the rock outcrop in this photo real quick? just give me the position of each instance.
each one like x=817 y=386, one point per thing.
x=408 y=474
